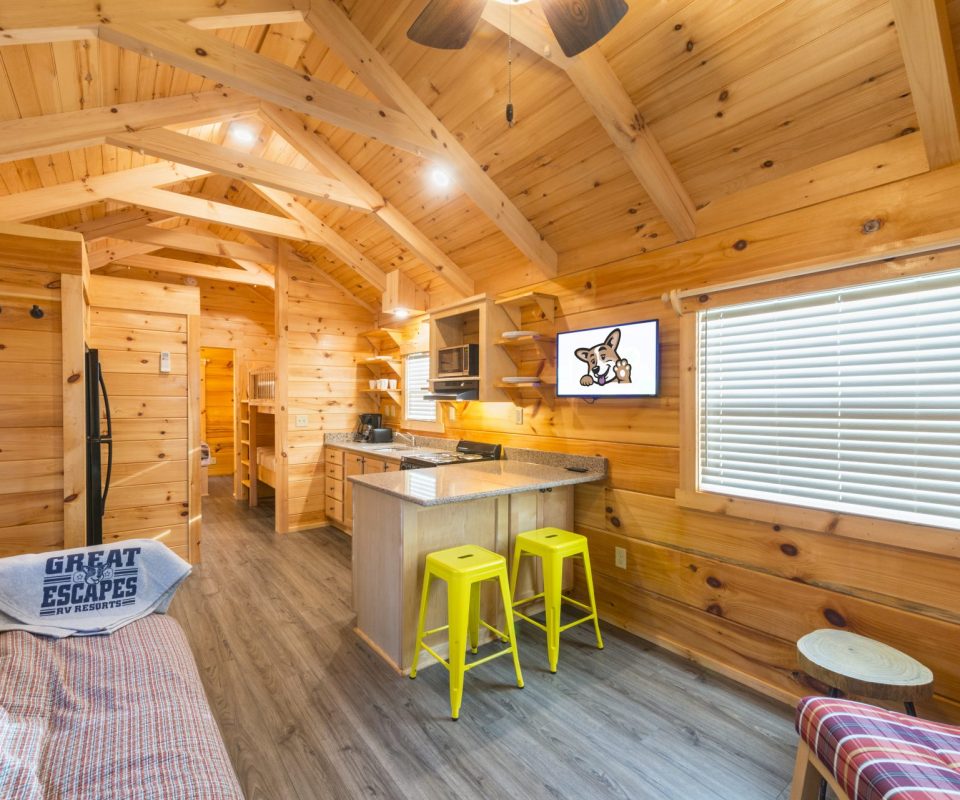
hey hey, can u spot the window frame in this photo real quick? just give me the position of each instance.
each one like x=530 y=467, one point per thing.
x=875 y=529
x=418 y=424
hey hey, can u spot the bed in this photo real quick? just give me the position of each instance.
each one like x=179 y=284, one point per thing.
x=108 y=718
x=263 y=465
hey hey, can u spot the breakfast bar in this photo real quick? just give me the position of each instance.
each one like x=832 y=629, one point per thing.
x=400 y=517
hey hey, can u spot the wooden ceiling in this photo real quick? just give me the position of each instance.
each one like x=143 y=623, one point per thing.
x=758 y=106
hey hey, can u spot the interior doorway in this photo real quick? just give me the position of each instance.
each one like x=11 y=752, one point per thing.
x=217 y=410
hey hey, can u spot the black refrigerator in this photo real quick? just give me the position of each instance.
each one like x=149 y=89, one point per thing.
x=99 y=436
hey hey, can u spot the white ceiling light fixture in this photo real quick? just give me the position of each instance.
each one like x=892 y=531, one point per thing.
x=440 y=178
x=242 y=134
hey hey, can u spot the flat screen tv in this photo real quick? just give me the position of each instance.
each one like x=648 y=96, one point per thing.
x=612 y=361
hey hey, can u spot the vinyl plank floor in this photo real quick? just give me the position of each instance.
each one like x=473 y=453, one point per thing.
x=308 y=711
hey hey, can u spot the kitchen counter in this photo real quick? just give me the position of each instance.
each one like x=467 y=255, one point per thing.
x=392 y=451
x=456 y=483
x=400 y=517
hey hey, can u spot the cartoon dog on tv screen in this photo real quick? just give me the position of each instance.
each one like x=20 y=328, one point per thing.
x=604 y=364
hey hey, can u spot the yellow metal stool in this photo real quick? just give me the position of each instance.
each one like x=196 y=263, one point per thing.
x=464 y=568
x=552 y=546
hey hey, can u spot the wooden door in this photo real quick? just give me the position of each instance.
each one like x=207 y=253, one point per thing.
x=352 y=465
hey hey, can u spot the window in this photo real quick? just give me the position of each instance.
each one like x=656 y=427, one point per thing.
x=847 y=400
x=416 y=370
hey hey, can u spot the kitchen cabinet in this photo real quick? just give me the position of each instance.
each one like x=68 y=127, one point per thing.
x=339 y=465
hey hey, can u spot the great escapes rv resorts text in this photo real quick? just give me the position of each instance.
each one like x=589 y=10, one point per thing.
x=91 y=581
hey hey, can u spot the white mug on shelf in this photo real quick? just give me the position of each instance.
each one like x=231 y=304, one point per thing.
x=392 y=383
x=373 y=383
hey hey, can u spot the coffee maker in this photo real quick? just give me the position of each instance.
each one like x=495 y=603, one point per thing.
x=365 y=425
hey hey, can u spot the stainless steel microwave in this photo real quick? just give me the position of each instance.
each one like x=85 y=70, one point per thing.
x=461 y=361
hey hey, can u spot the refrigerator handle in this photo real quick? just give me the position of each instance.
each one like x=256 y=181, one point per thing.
x=106 y=402
x=108 y=439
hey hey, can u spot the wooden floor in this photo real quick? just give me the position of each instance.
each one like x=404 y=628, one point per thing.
x=308 y=711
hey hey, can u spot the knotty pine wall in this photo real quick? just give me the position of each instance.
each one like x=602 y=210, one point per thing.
x=42 y=434
x=319 y=375
x=731 y=593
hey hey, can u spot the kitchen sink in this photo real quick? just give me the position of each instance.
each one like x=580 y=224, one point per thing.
x=393 y=448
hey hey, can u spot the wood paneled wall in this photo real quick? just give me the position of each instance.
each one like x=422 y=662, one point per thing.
x=731 y=593
x=42 y=464
x=217 y=407
x=155 y=458
x=319 y=348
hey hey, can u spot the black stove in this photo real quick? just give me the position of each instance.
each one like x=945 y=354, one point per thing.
x=465 y=453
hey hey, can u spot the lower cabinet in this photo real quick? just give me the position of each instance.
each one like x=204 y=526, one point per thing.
x=339 y=465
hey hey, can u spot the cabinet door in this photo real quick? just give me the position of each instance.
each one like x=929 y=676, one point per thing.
x=371 y=465
x=352 y=465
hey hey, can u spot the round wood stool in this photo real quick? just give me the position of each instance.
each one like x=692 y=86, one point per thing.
x=854 y=664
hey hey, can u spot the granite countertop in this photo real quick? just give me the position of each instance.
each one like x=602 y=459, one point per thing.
x=389 y=451
x=458 y=482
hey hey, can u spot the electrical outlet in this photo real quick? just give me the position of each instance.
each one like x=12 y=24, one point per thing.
x=165 y=362
x=518 y=415
x=302 y=421
x=451 y=413
x=620 y=557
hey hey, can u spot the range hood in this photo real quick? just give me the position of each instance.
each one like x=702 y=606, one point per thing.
x=454 y=390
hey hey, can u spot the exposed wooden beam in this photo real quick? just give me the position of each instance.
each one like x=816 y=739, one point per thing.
x=200 y=208
x=206 y=54
x=193 y=269
x=324 y=234
x=184 y=239
x=337 y=31
x=113 y=224
x=52 y=133
x=302 y=136
x=27 y=22
x=38 y=203
x=601 y=89
x=117 y=251
x=928 y=53
x=236 y=164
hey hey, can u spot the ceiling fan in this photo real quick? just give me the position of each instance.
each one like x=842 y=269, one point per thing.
x=577 y=24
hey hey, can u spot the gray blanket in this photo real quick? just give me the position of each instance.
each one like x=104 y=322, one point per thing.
x=88 y=590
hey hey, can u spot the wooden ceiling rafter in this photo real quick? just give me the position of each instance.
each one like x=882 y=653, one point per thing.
x=29 y=22
x=298 y=132
x=31 y=137
x=194 y=152
x=601 y=89
x=923 y=27
x=336 y=30
x=187 y=240
x=39 y=203
x=196 y=269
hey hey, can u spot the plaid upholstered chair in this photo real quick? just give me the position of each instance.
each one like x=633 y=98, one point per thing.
x=867 y=753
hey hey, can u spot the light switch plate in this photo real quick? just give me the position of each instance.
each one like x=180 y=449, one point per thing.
x=518 y=415
x=451 y=413
x=165 y=361
x=302 y=421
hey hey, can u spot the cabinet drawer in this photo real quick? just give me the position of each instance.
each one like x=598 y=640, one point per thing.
x=334 y=489
x=392 y=466
x=334 y=509
x=333 y=456
x=334 y=471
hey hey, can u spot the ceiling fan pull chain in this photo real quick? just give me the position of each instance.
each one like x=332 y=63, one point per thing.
x=509 y=66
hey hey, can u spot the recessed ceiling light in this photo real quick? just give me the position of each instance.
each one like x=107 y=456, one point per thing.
x=242 y=134
x=401 y=313
x=440 y=178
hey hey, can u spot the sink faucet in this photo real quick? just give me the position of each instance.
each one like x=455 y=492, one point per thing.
x=410 y=438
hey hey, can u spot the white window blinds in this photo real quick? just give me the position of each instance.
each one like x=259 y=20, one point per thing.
x=416 y=370
x=847 y=400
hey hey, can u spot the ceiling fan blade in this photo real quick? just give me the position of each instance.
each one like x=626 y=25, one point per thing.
x=446 y=24
x=578 y=24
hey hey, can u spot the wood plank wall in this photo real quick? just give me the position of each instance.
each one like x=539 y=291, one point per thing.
x=31 y=422
x=216 y=410
x=735 y=594
x=150 y=490
x=42 y=463
x=322 y=378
